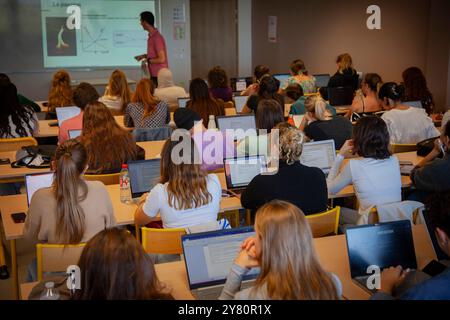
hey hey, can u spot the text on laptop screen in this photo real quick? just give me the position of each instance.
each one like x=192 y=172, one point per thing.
x=322 y=80
x=34 y=182
x=240 y=171
x=209 y=255
x=383 y=245
x=320 y=154
x=144 y=175
x=240 y=102
x=245 y=124
x=74 y=134
x=182 y=102
x=66 y=113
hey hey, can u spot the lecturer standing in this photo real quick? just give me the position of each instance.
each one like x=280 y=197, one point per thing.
x=156 y=47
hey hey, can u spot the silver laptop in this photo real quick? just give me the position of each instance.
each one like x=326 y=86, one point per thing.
x=208 y=257
x=241 y=125
x=240 y=171
x=240 y=102
x=144 y=175
x=65 y=113
x=73 y=134
x=319 y=154
x=182 y=102
x=36 y=181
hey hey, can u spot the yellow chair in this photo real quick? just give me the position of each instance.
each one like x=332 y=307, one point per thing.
x=324 y=223
x=162 y=241
x=107 y=179
x=14 y=144
x=397 y=148
x=56 y=257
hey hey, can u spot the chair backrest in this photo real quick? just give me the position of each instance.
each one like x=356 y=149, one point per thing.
x=14 y=144
x=56 y=257
x=107 y=179
x=152 y=134
x=402 y=210
x=324 y=223
x=340 y=96
x=397 y=148
x=162 y=241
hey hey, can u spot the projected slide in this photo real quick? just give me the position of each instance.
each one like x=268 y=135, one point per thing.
x=109 y=33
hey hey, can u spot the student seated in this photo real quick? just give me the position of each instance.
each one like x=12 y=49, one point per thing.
x=117 y=94
x=437 y=287
x=219 y=86
x=406 y=125
x=303 y=186
x=16 y=120
x=207 y=140
x=267 y=89
x=186 y=195
x=318 y=124
x=202 y=102
x=60 y=94
x=72 y=210
x=83 y=94
x=366 y=100
x=416 y=88
x=283 y=248
x=445 y=118
x=258 y=73
x=375 y=175
x=433 y=174
x=299 y=74
x=108 y=145
x=24 y=101
x=345 y=76
x=145 y=110
x=295 y=92
x=167 y=90
x=268 y=115
x=114 y=266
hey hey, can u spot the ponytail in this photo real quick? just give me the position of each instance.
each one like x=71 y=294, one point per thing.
x=318 y=106
x=71 y=159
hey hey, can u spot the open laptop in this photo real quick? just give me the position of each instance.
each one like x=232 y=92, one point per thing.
x=36 y=181
x=239 y=171
x=322 y=80
x=73 y=134
x=382 y=245
x=240 y=84
x=282 y=77
x=239 y=102
x=182 y=102
x=320 y=154
x=64 y=113
x=243 y=125
x=144 y=175
x=208 y=257
x=414 y=104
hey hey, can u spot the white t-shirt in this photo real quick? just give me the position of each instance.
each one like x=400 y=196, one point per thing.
x=375 y=182
x=112 y=102
x=171 y=95
x=409 y=126
x=34 y=123
x=158 y=201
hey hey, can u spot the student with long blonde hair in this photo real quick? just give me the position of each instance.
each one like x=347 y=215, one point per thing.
x=186 y=194
x=117 y=94
x=60 y=94
x=107 y=144
x=283 y=249
x=145 y=110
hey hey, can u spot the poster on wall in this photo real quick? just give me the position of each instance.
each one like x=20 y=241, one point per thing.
x=179 y=14
x=272 y=32
x=179 y=31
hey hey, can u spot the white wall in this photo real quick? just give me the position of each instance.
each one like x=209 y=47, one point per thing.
x=245 y=38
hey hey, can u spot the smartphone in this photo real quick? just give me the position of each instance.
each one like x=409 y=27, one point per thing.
x=434 y=268
x=53 y=124
x=18 y=217
x=5 y=161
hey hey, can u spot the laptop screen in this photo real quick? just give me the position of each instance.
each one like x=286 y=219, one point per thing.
x=74 y=134
x=182 y=102
x=244 y=124
x=34 y=182
x=414 y=104
x=144 y=175
x=383 y=245
x=320 y=154
x=282 y=77
x=209 y=255
x=322 y=80
x=240 y=102
x=439 y=253
x=66 y=113
x=241 y=170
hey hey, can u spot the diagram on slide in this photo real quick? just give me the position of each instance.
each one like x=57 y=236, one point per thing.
x=129 y=38
x=94 y=40
x=60 y=40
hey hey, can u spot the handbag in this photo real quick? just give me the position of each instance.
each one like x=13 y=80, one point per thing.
x=60 y=286
x=424 y=147
x=34 y=157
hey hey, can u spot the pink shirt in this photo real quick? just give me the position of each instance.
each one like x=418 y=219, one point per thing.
x=156 y=43
x=75 y=123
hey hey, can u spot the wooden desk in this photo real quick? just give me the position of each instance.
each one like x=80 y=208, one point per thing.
x=332 y=253
x=6 y=172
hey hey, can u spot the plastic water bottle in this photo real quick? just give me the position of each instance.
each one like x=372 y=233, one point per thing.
x=50 y=292
x=212 y=122
x=125 y=193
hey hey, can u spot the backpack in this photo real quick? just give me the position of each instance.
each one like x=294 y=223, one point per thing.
x=34 y=157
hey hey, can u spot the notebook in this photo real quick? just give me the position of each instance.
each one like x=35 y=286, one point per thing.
x=64 y=113
x=320 y=154
x=73 y=134
x=208 y=258
x=240 y=171
x=242 y=125
x=382 y=245
x=36 y=181
x=182 y=102
x=144 y=175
